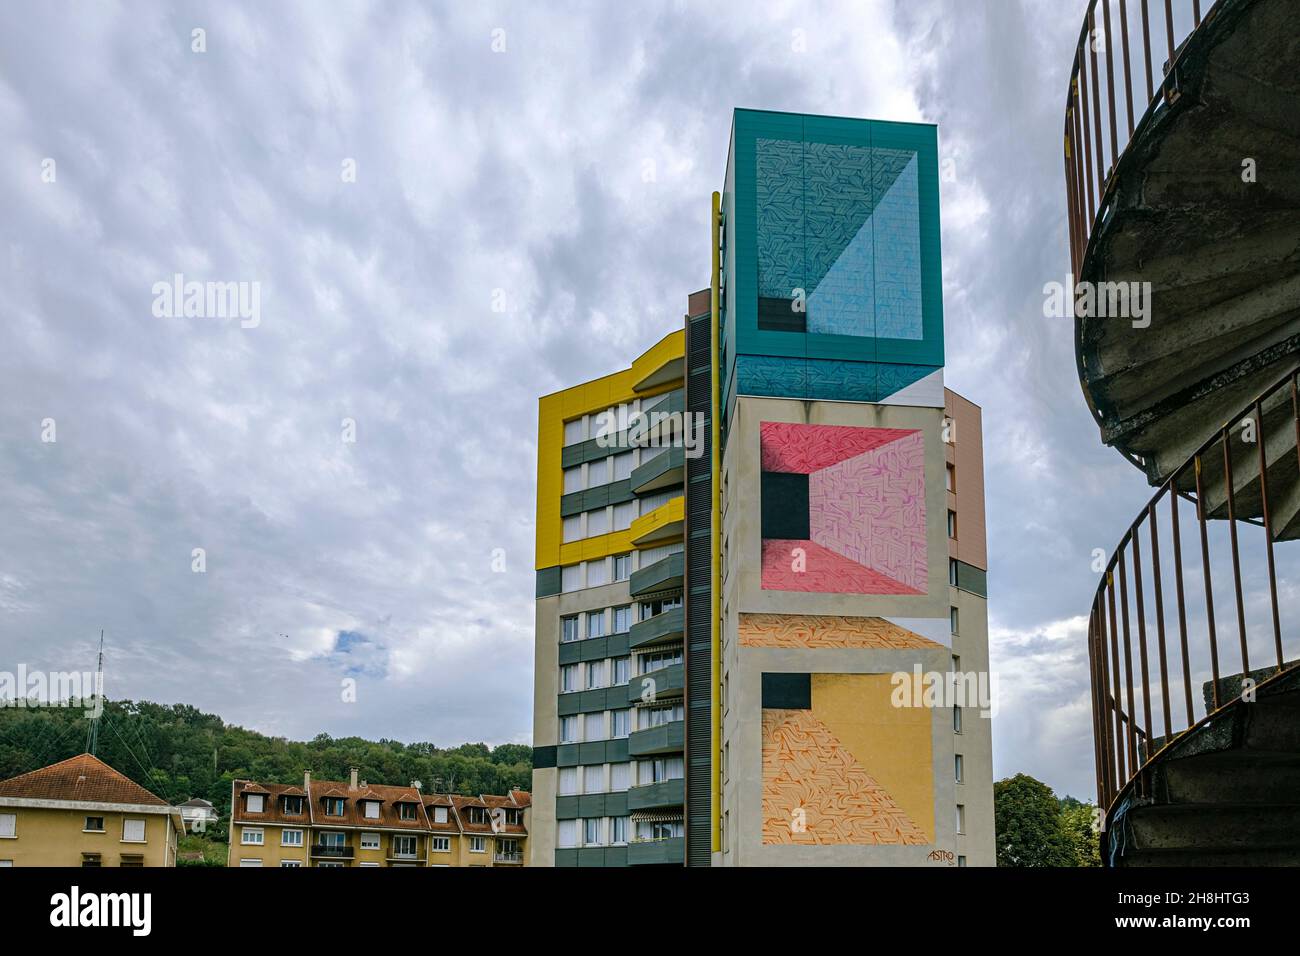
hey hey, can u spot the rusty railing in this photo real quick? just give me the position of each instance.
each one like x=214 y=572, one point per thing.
x=1094 y=139
x=1194 y=632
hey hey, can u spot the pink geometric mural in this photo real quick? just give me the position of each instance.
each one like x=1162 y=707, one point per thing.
x=865 y=509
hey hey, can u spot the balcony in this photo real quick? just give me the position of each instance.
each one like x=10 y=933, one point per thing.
x=332 y=852
x=508 y=856
x=668 y=626
x=666 y=523
x=668 y=682
x=662 y=363
x=665 y=739
x=653 y=796
x=664 y=574
x=657 y=852
x=666 y=469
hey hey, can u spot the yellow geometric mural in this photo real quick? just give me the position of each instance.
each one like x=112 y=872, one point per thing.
x=850 y=769
x=826 y=630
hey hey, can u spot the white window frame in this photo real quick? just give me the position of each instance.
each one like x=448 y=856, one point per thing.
x=440 y=844
x=478 y=844
x=286 y=841
x=144 y=830
x=246 y=835
x=8 y=826
x=369 y=841
x=439 y=814
x=261 y=803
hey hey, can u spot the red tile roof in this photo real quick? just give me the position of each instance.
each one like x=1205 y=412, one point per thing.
x=354 y=814
x=274 y=804
x=84 y=778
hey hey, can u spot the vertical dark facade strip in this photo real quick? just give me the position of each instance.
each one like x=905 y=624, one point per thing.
x=699 y=647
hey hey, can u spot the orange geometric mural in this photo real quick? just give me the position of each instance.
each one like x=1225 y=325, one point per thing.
x=826 y=630
x=849 y=770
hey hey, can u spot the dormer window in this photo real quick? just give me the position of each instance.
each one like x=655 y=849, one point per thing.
x=406 y=811
x=255 y=803
x=333 y=806
x=292 y=806
x=439 y=814
x=371 y=809
x=478 y=815
x=515 y=817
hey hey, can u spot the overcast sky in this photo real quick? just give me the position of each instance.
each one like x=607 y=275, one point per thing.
x=557 y=158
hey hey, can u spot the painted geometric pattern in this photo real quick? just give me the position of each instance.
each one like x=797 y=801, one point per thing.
x=828 y=379
x=805 y=768
x=871 y=509
x=866 y=506
x=826 y=630
x=842 y=223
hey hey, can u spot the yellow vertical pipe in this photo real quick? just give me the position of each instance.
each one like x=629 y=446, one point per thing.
x=715 y=528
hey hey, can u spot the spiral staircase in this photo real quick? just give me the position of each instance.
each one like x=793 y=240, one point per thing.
x=1196 y=707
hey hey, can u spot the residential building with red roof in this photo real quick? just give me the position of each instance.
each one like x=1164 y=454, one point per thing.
x=82 y=812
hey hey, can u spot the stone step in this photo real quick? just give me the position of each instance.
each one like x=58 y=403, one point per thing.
x=1282 y=856
x=1215 y=827
x=1234 y=777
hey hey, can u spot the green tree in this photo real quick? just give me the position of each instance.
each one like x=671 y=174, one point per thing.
x=1078 y=818
x=1030 y=830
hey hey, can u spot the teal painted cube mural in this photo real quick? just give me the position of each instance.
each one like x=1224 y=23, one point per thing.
x=832 y=284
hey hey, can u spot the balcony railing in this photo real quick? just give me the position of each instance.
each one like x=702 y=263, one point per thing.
x=1091 y=157
x=1208 y=627
x=508 y=856
x=331 y=852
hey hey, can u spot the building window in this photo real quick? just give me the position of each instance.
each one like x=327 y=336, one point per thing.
x=131 y=861
x=593 y=778
x=623 y=466
x=90 y=859
x=8 y=825
x=956 y=720
x=595 y=675
x=133 y=831
x=956 y=662
x=255 y=803
x=568 y=678
x=961 y=861
x=620 y=776
x=568 y=730
x=595 y=624
x=621 y=667
x=290 y=864
x=961 y=818
x=591 y=831
x=566 y=834
x=952 y=571
x=953 y=619
x=569 y=629
x=618 y=830
x=622 y=619
x=439 y=814
x=654 y=831
x=290 y=838
x=331 y=838
x=952 y=479
x=597 y=473
x=571 y=577
x=648 y=717
x=333 y=806
x=477 y=844
x=593 y=727
x=292 y=806
x=251 y=836
x=372 y=809
x=952 y=524
x=251 y=864
x=957 y=768
x=597 y=523
x=624 y=515
x=370 y=841
x=440 y=844
x=622 y=720
x=406 y=811
x=575 y=431
x=573 y=480
x=94 y=825
x=622 y=567
x=572 y=527
x=404 y=846
x=597 y=573
x=568 y=781
x=661 y=769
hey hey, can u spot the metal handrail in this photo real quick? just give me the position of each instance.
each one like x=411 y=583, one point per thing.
x=1091 y=158
x=1123 y=750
